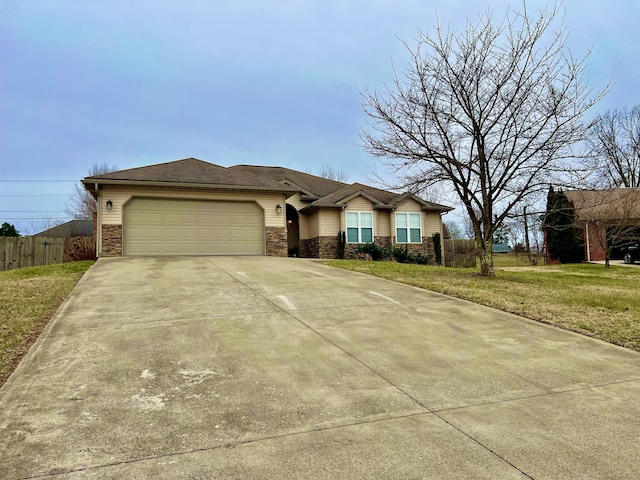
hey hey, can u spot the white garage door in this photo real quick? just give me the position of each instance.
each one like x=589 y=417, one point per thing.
x=159 y=226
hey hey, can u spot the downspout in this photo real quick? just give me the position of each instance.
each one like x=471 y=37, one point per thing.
x=442 y=214
x=99 y=222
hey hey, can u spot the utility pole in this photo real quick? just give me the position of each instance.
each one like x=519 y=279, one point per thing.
x=526 y=230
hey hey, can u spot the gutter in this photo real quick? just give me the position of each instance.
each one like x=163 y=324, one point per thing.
x=205 y=186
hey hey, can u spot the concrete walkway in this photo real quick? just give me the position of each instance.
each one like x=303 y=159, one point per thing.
x=258 y=367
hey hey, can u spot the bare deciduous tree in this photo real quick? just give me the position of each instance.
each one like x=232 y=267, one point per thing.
x=332 y=173
x=454 y=229
x=82 y=205
x=493 y=110
x=614 y=141
x=525 y=230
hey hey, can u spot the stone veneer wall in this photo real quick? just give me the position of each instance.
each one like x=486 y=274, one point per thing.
x=319 y=247
x=327 y=247
x=384 y=242
x=350 y=248
x=276 y=239
x=308 y=248
x=111 y=241
x=426 y=248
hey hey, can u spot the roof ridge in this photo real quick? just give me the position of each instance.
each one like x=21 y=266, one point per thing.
x=153 y=165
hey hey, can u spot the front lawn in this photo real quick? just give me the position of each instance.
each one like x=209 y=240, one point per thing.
x=589 y=299
x=28 y=299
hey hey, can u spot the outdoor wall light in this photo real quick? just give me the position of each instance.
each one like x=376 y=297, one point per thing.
x=109 y=204
x=278 y=209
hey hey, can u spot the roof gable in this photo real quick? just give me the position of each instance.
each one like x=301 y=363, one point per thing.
x=380 y=198
x=427 y=206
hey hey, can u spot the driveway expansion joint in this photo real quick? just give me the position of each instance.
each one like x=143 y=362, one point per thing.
x=538 y=395
x=381 y=376
x=324 y=372
x=228 y=445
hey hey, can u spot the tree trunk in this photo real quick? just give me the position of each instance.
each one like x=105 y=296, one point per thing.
x=486 y=259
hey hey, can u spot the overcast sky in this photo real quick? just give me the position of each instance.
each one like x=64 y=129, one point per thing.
x=133 y=83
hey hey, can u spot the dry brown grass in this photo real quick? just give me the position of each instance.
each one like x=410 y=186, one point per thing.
x=28 y=299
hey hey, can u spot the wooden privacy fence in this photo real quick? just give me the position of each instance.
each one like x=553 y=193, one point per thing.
x=459 y=253
x=19 y=252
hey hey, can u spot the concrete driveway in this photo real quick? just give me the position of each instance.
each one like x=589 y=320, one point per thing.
x=258 y=367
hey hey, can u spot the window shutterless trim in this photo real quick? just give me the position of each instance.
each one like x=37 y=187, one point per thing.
x=407 y=233
x=356 y=232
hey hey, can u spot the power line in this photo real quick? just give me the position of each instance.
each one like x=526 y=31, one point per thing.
x=38 y=181
x=33 y=218
x=38 y=195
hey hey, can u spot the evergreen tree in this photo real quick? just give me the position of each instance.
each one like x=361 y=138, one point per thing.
x=563 y=242
x=8 y=230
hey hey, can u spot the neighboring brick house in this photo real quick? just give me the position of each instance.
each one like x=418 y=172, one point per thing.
x=605 y=216
x=191 y=207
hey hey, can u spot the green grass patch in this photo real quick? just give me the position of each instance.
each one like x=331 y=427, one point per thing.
x=28 y=299
x=589 y=299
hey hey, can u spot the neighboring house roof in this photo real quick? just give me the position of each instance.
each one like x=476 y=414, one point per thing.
x=605 y=204
x=73 y=228
x=187 y=172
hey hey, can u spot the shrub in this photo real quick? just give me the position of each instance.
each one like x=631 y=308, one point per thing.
x=375 y=251
x=402 y=255
x=437 y=247
x=342 y=241
x=419 y=259
x=81 y=248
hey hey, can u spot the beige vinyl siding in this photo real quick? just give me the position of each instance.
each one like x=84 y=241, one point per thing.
x=120 y=196
x=432 y=224
x=303 y=226
x=314 y=227
x=329 y=222
x=359 y=204
x=409 y=205
x=382 y=219
x=295 y=201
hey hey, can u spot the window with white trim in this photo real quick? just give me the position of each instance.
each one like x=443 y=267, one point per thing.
x=408 y=228
x=359 y=227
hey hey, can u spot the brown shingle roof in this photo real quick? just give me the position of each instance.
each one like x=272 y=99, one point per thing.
x=310 y=184
x=605 y=204
x=72 y=228
x=330 y=193
x=381 y=198
x=187 y=171
x=322 y=192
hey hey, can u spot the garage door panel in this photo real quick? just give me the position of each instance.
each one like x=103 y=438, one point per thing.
x=155 y=226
